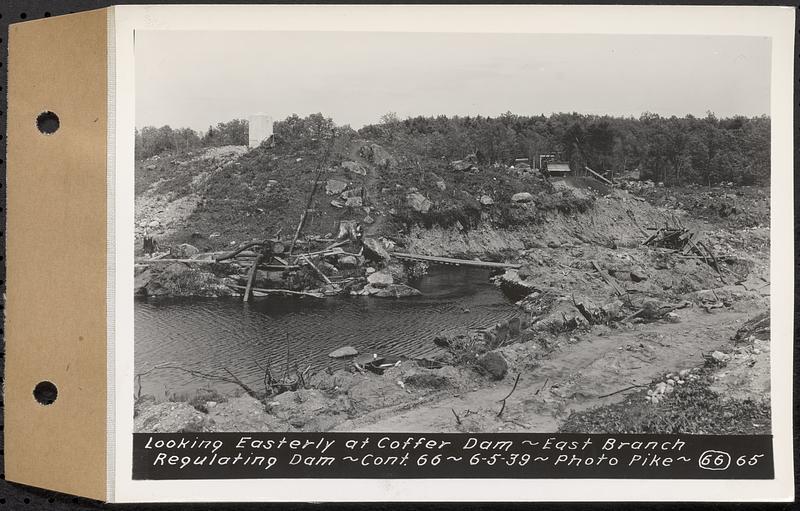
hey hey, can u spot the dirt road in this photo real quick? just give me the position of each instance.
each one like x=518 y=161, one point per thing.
x=576 y=376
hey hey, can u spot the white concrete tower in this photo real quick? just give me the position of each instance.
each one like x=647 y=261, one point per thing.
x=260 y=129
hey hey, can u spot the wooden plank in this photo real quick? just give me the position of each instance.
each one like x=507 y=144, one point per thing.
x=458 y=262
x=607 y=278
x=278 y=291
x=598 y=176
x=324 y=277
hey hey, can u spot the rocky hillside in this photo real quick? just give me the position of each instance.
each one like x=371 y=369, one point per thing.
x=224 y=196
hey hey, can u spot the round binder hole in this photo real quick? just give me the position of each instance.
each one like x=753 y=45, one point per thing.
x=47 y=122
x=45 y=393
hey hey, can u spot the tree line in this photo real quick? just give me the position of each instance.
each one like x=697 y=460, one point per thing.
x=674 y=150
x=151 y=141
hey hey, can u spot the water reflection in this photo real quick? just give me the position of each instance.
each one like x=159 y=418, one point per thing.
x=213 y=335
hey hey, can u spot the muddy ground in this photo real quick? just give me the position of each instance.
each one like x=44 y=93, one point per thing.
x=616 y=337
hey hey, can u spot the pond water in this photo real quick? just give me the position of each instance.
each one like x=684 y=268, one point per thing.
x=218 y=334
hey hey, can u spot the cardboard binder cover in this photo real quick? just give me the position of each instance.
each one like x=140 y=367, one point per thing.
x=56 y=254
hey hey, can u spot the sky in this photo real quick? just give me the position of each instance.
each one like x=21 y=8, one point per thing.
x=199 y=78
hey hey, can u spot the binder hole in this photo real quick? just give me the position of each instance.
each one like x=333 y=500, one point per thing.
x=45 y=393
x=47 y=122
x=22 y=15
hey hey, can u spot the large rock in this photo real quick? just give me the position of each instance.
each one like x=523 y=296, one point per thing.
x=486 y=200
x=374 y=250
x=348 y=229
x=377 y=155
x=419 y=202
x=354 y=167
x=464 y=165
x=335 y=186
x=522 y=197
x=354 y=202
x=185 y=251
x=345 y=351
x=381 y=278
x=347 y=261
x=355 y=192
x=390 y=291
x=494 y=365
x=140 y=282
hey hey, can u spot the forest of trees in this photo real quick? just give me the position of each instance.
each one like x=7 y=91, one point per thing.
x=673 y=150
x=151 y=140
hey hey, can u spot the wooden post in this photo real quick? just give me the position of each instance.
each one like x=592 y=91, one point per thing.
x=251 y=277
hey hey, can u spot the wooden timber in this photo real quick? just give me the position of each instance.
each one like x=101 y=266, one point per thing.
x=454 y=262
x=257 y=291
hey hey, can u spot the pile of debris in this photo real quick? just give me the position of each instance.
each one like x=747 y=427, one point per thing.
x=687 y=242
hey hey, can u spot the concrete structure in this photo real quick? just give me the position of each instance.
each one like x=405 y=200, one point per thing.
x=260 y=129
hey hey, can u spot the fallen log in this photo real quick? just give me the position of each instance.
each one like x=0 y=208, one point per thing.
x=598 y=176
x=279 y=291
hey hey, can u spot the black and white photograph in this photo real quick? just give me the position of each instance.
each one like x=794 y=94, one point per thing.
x=452 y=232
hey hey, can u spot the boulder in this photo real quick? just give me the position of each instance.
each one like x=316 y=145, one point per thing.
x=522 y=197
x=154 y=224
x=720 y=357
x=390 y=291
x=441 y=185
x=612 y=309
x=381 y=278
x=494 y=365
x=354 y=202
x=354 y=167
x=374 y=250
x=185 y=251
x=335 y=186
x=347 y=261
x=348 y=229
x=377 y=155
x=140 y=282
x=418 y=202
x=486 y=200
x=355 y=192
x=462 y=165
x=344 y=351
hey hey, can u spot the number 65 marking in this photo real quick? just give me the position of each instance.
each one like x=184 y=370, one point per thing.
x=715 y=460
